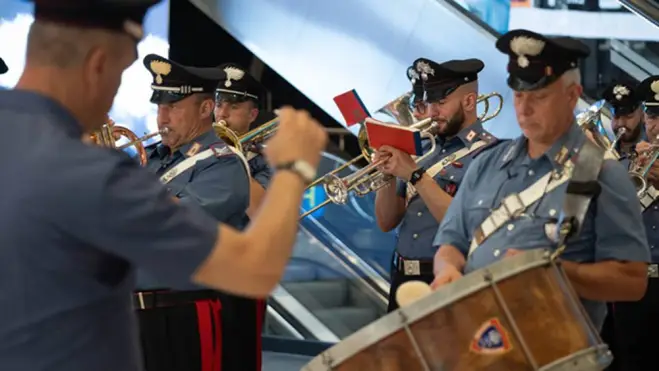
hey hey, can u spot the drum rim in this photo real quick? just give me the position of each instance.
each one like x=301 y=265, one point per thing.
x=394 y=321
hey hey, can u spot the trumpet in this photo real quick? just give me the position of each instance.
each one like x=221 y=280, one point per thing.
x=369 y=179
x=640 y=167
x=143 y=138
x=108 y=134
x=253 y=137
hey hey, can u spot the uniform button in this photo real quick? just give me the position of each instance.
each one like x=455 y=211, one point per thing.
x=511 y=227
x=656 y=207
x=652 y=246
x=531 y=172
x=415 y=236
x=480 y=202
x=654 y=227
x=497 y=252
x=552 y=212
x=419 y=213
x=451 y=177
x=443 y=151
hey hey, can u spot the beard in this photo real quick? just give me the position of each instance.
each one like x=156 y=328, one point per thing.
x=633 y=135
x=453 y=125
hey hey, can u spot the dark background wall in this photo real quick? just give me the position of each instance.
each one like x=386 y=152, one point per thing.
x=190 y=31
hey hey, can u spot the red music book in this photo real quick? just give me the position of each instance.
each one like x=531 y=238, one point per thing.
x=400 y=137
x=352 y=108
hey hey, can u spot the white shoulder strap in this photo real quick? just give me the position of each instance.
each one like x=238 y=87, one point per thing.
x=185 y=165
x=191 y=161
x=439 y=166
x=515 y=204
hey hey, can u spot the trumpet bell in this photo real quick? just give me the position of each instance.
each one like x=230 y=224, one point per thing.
x=110 y=133
x=639 y=182
x=254 y=137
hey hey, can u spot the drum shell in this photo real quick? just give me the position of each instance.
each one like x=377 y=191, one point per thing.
x=548 y=321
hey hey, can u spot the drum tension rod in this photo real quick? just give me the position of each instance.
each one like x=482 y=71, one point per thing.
x=506 y=311
x=415 y=344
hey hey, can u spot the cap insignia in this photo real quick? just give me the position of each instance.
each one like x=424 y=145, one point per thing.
x=524 y=46
x=620 y=91
x=413 y=75
x=233 y=73
x=160 y=69
x=424 y=69
x=655 y=89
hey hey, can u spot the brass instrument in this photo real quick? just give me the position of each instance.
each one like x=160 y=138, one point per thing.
x=640 y=167
x=253 y=137
x=109 y=133
x=369 y=179
x=590 y=121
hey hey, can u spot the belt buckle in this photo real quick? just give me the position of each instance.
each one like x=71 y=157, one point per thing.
x=411 y=267
x=653 y=270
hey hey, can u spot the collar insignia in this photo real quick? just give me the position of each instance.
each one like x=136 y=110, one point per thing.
x=194 y=149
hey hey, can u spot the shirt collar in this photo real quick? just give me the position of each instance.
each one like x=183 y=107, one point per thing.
x=556 y=154
x=466 y=136
x=193 y=147
x=28 y=101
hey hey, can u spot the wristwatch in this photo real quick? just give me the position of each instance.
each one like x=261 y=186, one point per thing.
x=417 y=175
x=300 y=167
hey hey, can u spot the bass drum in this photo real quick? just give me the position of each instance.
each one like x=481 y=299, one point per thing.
x=515 y=315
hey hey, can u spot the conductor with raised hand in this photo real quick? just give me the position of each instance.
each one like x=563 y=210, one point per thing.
x=77 y=219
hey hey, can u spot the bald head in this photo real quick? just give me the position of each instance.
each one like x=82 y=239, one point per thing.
x=80 y=68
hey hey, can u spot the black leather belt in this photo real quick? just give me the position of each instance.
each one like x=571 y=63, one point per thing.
x=166 y=298
x=411 y=267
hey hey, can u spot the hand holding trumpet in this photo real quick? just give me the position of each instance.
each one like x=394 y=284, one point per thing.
x=396 y=162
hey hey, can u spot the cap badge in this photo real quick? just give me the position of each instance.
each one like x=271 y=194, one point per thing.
x=524 y=46
x=234 y=74
x=655 y=89
x=424 y=69
x=160 y=69
x=412 y=75
x=620 y=91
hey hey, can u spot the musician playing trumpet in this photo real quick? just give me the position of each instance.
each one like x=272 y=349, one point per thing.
x=419 y=193
x=627 y=123
x=200 y=169
x=635 y=346
x=238 y=97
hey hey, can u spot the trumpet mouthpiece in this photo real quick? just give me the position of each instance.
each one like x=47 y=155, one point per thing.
x=163 y=131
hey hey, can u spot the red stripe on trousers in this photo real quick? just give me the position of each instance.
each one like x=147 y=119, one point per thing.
x=260 y=315
x=210 y=334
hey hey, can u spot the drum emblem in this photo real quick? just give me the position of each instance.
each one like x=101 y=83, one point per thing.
x=491 y=339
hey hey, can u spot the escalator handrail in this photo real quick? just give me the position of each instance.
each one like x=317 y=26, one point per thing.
x=634 y=58
x=303 y=315
x=643 y=9
x=281 y=321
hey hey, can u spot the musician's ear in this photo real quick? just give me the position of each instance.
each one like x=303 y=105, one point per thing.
x=206 y=108
x=469 y=102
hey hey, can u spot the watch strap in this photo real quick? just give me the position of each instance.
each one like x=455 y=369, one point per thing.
x=300 y=168
x=417 y=175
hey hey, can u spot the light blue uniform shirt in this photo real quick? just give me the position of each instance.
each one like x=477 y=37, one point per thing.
x=612 y=230
x=418 y=227
x=75 y=221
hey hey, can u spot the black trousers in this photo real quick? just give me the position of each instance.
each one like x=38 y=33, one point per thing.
x=608 y=336
x=221 y=333
x=636 y=331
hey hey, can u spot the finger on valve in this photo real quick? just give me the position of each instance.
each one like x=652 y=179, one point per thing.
x=411 y=291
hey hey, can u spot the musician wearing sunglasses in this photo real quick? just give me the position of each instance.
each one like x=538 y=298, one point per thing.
x=78 y=219
x=512 y=196
x=417 y=201
x=635 y=346
x=238 y=97
x=627 y=123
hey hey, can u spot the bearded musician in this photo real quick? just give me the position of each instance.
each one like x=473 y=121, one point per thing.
x=625 y=105
x=512 y=195
x=418 y=200
x=635 y=344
